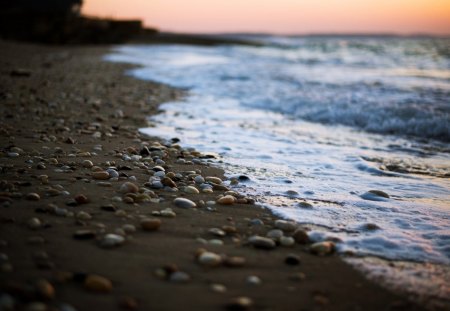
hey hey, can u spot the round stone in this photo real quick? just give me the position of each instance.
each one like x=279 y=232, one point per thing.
x=253 y=280
x=128 y=187
x=45 y=289
x=184 y=203
x=292 y=260
x=235 y=261
x=323 y=248
x=287 y=241
x=262 y=242
x=239 y=304
x=209 y=259
x=150 y=224
x=33 y=196
x=217 y=232
x=34 y=223
x=287 y=226
x=275 y=234
x=112 y=173
x=101 y=175
x=191 y=190
x=214 y=180
x=168 y=182
x=81 y=199
x=226 y=200
x=199 y=179
x=179 y=277
x=87 y=164
x=111 y=240
x=301 y=236
x=97 y=283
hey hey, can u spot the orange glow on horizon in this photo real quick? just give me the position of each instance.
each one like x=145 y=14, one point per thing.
x=282 y=16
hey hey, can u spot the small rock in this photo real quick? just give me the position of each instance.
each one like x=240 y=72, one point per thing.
x=184 y=203
x=226 y=200
x=101 y=175
x=287 y=241
x=128 y=187
x=81 y=199
x=33 y=196
x=191 y=190
x=375 y=195
x=209 y=259
x=239 y=304
x=34 y=223
x=292 y=260
x=253 y=280
x=150 y=224
x=97 y=283
x=218 y=288
x=235 y=261
x=45 y=290
x=217 y=232
x=214 y=180
x=179 y=277
x=262 y=242
x=285 y=225
x=323 y=248
x=83 y=216
x=87 y=164
x=84 y=235
x=128 y=303
x=301 y=236
x=199 y=179
x=275 y=234
x=111 y=240
x=168 y=182
x=168 y=212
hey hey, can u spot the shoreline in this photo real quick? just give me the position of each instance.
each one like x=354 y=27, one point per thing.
x=75 y=102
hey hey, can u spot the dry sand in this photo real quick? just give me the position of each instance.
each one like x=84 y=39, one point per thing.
x=57 y=105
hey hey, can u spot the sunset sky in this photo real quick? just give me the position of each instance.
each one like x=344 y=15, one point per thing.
x=282 y=16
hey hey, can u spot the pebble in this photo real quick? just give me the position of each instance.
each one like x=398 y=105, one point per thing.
x=97 y=283
x=239 y=304
x=111 y=240
x=214 y=180
x=87 y=164
x=217 y=232
x=168 y=212
x=292 y=260
x=33 y=196
x=199 y=179
x=45 y=290
x=81 y=199
x=101 y=175
x=209 y=259
x=128 y=303
x=262 y=242
x=305 y=205
x=301 y=236
x=84 y=235
x=34 y=223
x=112 y=173
x=287 y=241
x=275 y=234
x=218 y=288
x=184 y=203
x=253 y=280
x=256 y=222
x=226 y=200
x=83 y=216
x=287 y=226
x=235 y=261
x=129 y=228
x=375 y=195
x=13 y=154
x=128 y=187
x=168 y=182
x=323 y=248
x=191 y=190
x=150 y=224
x=179 y=277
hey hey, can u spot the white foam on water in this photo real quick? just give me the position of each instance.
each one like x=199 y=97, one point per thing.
x=328 y=165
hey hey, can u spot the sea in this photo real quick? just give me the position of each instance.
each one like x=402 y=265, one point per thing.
x=312 y=125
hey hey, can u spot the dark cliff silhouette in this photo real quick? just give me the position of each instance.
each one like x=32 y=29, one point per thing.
x=60 y=22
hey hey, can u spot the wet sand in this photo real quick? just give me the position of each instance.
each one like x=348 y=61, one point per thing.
x=58 y=105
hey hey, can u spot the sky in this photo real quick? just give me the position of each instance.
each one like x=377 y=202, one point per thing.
x=282 y=16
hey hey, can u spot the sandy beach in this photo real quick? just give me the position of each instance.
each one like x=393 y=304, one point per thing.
x=86 y=222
